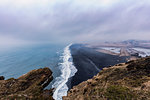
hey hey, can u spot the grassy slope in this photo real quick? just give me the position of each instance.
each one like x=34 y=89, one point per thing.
x=129 y=81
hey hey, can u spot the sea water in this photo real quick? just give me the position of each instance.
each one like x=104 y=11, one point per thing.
x=67 y=70
x=17 y=61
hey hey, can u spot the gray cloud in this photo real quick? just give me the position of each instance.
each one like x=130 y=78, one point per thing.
x=70 y=21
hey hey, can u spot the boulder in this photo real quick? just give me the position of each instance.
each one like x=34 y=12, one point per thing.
x=2 y=77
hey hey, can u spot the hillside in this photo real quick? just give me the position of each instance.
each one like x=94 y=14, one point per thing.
x=126 y=81
x=29 y=86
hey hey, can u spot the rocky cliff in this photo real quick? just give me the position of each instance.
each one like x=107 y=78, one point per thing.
x=126 y=81
x=27 y=87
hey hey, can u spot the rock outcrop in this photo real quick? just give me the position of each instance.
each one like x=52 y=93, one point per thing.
x=2 y=77
x=30 y=86
x=126 y=81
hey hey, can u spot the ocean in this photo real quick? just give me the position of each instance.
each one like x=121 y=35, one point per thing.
x=16 y=61
x=71 y=64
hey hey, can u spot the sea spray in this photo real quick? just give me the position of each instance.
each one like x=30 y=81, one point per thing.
x=67 y=70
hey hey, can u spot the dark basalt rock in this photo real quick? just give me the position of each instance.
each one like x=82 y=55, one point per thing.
x=2 y=77
x=28 y=86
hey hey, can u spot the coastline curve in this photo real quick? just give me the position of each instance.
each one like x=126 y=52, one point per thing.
x=67 y=70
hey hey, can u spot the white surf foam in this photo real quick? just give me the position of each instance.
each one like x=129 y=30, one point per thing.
x=67 y=70
x=143 y=52
x=112 y=49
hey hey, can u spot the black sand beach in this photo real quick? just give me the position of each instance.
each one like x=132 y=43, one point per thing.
x=89 y=62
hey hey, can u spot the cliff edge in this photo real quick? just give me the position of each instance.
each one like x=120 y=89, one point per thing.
x=125 y=81
x=30 y=86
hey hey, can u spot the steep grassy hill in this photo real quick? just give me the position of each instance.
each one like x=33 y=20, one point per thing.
x=126 y=81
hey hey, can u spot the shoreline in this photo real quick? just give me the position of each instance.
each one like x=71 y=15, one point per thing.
x=89 y=62
x=67 y=70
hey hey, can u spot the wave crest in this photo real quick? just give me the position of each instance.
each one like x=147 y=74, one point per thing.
x=67 y=70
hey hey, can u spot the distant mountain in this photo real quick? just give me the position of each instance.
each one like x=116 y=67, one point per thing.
x=127 y=43
x=132 y=42
x=135 y=42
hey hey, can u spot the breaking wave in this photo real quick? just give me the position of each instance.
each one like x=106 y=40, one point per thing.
x=67 y=70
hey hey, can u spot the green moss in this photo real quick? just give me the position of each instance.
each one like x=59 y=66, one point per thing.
x=118 y=93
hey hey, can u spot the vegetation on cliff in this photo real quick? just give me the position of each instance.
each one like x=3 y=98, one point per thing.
x=126 y=81
x=27 y=87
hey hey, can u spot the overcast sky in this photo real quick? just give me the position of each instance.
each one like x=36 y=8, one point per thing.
x=65 y=21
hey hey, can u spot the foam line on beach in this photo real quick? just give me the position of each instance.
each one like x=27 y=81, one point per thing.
x=67 y=70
